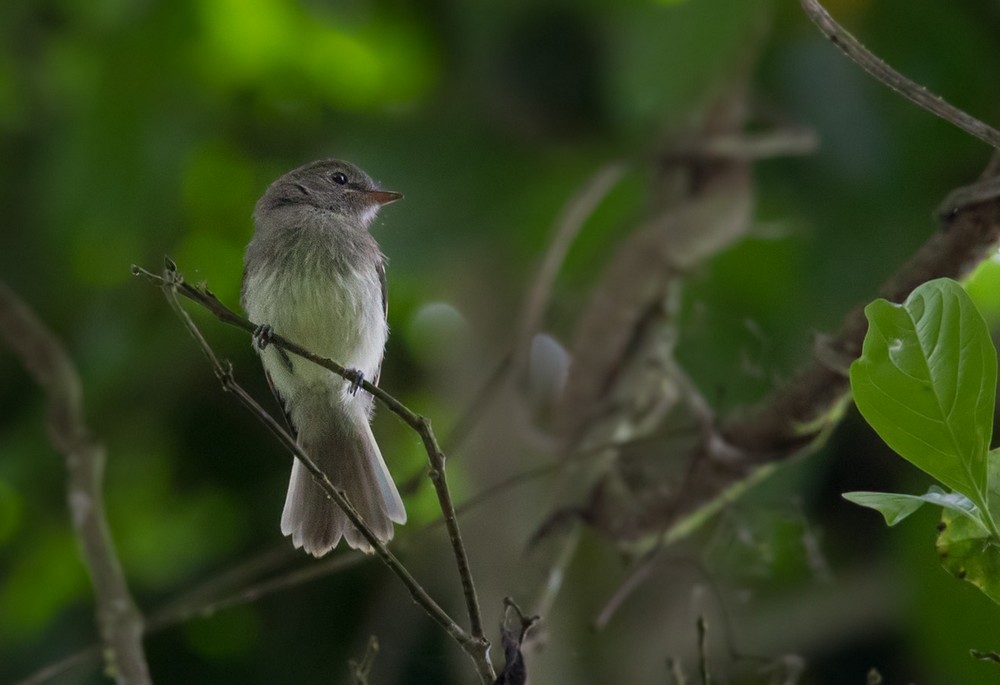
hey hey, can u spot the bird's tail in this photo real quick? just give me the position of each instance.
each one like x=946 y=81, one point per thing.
x=345 y=450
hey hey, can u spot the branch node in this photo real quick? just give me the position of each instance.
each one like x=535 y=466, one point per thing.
x=224 y=372
x=527 y=622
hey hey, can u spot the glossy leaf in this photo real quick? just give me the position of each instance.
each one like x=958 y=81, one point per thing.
x=895 y=506
x=925 y=381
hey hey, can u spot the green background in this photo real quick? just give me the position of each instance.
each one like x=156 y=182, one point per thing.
x=130 y=130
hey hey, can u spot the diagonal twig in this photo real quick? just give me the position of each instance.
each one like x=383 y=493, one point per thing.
x=575 y=214
x=119 y=620
x=882 y=72
x=474 y=642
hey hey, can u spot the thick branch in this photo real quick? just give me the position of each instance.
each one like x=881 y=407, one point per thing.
x=798 y=412
x=118 y=618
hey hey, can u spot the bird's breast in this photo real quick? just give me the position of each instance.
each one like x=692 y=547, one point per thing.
x=338 y=315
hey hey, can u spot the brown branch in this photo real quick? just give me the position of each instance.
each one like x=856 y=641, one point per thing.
x=119 y=621
x=882 y=72
x=801 y=411
x=191 y=604
x=475 y=644
x=806 y=406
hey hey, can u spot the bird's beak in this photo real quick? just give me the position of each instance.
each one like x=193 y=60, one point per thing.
x=382 y=197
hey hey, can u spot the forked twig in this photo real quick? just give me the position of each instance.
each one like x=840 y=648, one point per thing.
x=474 y=642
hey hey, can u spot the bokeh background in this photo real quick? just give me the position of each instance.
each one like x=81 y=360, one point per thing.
x=134 y=129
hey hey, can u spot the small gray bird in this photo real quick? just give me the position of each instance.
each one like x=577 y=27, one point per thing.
x=314 y=275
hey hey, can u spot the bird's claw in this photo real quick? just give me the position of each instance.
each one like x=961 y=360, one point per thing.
x=355 y=377
x=262 y=336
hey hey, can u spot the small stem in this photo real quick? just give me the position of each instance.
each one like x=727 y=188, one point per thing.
x=703 y=651
x=440 y=480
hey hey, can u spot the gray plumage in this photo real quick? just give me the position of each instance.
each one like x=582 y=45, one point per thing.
x=314 y=274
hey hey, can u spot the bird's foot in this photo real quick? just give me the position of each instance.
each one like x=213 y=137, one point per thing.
x=355 y=377
x=262 y=337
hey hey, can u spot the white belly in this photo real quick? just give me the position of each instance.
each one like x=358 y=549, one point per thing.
x=335 y=316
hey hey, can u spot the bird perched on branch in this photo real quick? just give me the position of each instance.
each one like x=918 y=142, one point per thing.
x=314 y=275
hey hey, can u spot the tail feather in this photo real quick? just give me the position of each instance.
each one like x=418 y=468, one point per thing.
x=346 y=451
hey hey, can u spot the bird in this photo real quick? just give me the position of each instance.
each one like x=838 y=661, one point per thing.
x=314 y=275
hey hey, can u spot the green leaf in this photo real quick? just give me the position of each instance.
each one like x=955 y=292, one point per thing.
x=926 y=380
x=969 y=554
x=895 y=506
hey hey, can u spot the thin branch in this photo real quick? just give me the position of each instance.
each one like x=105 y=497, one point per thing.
x=476 y=408
x=578 y=209
x=251 y=593
x=635 y=578
x=361 y=670
x=475 y=645
x=571 y=219
x=198 y=603
x=119 y=620
x=882 y=72
x=199 y=600
x=64 y=665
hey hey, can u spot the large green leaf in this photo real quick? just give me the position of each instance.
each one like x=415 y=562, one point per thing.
x=969 y=554
x=926 y=380
x=895 y=507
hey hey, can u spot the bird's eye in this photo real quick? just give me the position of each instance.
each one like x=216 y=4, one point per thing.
x=338 y=178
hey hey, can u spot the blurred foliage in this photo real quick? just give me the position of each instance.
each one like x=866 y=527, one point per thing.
x=133 y=129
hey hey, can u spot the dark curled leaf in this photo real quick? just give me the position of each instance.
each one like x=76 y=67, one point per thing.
x=969 y=554
x=514 y=671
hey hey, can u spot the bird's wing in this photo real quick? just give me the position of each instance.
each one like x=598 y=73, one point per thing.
x=385 y=307
x=281 y=400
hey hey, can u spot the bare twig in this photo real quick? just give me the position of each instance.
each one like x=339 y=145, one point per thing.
x=578 y=209
x=475 y=645
x=251 y=593
x=57 y=668
x=636 y=577
x=882 y=72
x=119 y=620
x=574 y=215
x=199 y=601
x=478 y=405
